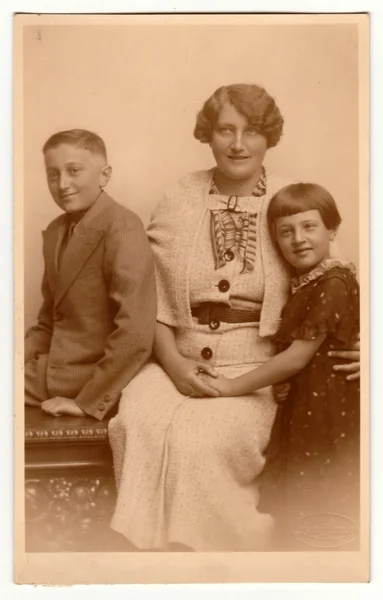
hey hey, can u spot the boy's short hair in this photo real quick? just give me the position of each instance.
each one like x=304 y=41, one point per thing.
x=80 y=138
x=300 y=197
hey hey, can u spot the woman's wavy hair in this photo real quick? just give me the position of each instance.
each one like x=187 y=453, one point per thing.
x=300 y=197
x=250 y=100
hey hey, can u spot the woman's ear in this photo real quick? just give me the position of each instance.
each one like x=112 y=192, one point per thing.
x=105 y=176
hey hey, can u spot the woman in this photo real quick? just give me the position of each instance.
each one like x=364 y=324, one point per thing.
x=187 y=461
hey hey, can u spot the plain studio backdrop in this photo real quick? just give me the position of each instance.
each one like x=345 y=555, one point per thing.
x=141 y=86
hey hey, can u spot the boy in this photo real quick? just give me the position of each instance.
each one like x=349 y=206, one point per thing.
x=96 y=325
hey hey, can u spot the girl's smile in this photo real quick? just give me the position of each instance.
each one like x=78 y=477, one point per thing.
x=303 y=239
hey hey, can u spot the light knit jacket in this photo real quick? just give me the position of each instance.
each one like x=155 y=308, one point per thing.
x=173 y=232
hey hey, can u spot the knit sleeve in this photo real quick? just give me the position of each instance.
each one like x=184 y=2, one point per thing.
x=162 y=234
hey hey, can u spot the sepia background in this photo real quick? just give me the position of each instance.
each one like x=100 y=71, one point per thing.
x=140 y=87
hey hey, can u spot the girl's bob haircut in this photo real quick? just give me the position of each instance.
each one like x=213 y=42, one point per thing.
x=300 y=197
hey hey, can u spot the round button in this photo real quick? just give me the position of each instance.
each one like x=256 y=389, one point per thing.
x=207 y=353
x=214 y=324
x=223 y=285
x=107 y=398
x=229 y=255
x=101 y=407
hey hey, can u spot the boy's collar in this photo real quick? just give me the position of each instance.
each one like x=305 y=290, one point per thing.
x=75 y=218
x=91 y=218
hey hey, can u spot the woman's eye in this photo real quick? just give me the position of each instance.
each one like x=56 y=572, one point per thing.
x=52 y=176
x=284 y=232
x=224 y=130
x=310 y=226
x=252 y=131
x=74 y=170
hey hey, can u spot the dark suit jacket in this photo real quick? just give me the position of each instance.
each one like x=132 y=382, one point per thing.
x=99 y=310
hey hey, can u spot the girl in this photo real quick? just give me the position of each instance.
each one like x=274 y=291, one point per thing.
x=313 y=454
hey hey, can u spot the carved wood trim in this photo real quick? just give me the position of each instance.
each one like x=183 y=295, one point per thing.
x=99 y=434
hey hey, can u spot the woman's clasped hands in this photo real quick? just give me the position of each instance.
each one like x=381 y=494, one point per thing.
x=193 y=378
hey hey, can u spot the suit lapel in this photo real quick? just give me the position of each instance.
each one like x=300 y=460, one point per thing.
x=79 y=249
x=87 y=235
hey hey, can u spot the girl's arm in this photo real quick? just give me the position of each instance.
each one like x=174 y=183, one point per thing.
x=280 y=367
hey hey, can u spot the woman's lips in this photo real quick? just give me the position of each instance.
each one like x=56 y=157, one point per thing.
x=66 y=196
x=302 y=251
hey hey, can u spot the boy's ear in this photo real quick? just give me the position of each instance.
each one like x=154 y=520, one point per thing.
x=105 y=175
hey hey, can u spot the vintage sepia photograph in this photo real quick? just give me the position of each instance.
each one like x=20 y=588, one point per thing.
x=192 y=288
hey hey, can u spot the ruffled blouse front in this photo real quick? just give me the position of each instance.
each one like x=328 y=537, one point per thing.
x=228 y=249
x=234 y=225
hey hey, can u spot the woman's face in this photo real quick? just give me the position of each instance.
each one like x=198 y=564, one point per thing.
x=237 y=146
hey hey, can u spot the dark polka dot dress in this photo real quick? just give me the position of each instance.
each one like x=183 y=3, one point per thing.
x=313 y=455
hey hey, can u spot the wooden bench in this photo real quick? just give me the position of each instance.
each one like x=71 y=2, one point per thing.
x=69 y=485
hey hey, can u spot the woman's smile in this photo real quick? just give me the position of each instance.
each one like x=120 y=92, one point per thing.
x=302 y=251
x=238 y=148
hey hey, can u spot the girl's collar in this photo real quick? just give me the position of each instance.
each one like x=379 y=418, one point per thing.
x=300 y=281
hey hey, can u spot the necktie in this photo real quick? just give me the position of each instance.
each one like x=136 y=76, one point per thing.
x=65 y=241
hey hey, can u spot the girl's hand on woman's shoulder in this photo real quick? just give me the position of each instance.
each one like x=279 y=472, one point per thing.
x=353 y=367
x=186 y=376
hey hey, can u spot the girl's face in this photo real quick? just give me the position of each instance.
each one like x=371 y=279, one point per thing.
x=303 y=239
x=238 y=148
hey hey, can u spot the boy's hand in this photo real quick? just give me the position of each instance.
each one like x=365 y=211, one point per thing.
x=62 y=406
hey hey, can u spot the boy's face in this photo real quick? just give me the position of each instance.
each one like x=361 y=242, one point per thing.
x=303 y=239
x=75 y=177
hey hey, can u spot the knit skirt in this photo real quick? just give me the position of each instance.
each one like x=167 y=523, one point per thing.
x=186 y=468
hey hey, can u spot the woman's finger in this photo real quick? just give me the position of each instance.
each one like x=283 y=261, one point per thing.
x=346 y=354
x=353 y=367
x=353 y=376
x=207 y=369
